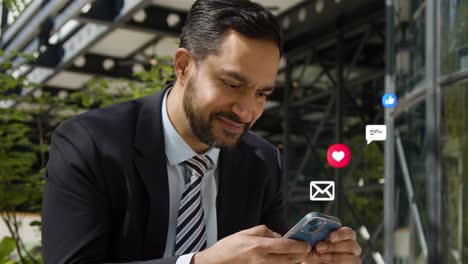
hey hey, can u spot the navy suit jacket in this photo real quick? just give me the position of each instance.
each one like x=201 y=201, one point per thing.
x=106 y=198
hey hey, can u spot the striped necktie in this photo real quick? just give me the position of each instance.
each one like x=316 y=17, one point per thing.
x=191 y=231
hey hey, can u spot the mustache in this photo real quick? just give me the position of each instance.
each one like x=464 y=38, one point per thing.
x=231 y=116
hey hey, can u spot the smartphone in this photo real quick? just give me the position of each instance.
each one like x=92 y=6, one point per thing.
x=314 y=227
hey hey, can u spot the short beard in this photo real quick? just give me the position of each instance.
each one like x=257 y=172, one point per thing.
x=204 y=130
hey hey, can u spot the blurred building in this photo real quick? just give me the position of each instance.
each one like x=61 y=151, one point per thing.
x=427 y=150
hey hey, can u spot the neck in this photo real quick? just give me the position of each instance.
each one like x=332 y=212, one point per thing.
x=176 y=113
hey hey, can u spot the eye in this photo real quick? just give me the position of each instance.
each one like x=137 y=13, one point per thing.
x=231 y=85
x=263 y=94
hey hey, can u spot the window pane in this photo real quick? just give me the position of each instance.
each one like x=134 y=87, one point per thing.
x=454 y=36
x=454 y=152
x=411 y=51
x=408 y=239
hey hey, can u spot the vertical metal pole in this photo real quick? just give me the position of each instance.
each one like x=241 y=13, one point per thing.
x=410 y=193
x=389 y=157
x=286 y=130
x=433 y=189
x=339 y=112
x=4 y=20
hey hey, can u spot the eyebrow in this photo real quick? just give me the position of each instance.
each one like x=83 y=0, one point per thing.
x=244 y=80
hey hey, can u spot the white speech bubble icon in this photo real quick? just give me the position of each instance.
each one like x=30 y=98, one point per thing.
x=376 y=133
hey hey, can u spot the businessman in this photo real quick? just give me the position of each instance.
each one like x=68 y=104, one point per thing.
x=178 y=177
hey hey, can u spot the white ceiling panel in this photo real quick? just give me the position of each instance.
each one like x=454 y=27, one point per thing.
x=69 y=80
x=164 y=47
x=121 y=43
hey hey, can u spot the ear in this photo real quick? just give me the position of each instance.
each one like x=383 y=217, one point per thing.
x=183 y=64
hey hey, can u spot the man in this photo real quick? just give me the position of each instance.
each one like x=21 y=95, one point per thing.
x=177 y=177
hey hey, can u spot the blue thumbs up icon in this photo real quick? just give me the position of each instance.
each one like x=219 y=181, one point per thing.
x=389 y=100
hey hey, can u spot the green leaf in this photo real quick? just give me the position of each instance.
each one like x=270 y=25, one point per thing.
x=86 y=100
x=35 y=223
x=18 y=116
x=16 y=196
x=7 y=245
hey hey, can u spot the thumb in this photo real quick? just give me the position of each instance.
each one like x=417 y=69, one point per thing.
x=261 y=230
x=277 y=235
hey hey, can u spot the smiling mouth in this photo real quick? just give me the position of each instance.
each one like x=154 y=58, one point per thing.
x=231 y=126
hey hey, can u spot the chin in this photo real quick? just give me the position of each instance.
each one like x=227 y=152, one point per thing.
x=226 y=140
x=231 y=139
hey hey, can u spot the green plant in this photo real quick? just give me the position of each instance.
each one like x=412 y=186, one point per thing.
x=20 y=183
x=27 y=120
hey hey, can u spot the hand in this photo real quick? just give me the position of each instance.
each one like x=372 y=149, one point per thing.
x=340 y=247
x=255 y=245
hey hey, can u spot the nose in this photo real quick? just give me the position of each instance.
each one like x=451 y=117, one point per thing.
x=245 y=110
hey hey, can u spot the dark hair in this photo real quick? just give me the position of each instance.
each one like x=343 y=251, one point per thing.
x=208 y=20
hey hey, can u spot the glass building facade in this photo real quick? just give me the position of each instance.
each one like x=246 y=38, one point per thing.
x=430 y=146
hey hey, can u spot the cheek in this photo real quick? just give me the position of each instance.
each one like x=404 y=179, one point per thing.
x=218 y=101
x=209 y=94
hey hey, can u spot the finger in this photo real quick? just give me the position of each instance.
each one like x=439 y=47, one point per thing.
x=315 y=257
x=316 y=261
x=344 y=258
x=347 y=247
x=260 y=230
x=287 y=258
x=344 y=233
x=283 y=246
x=276 y=235
x=311 y=258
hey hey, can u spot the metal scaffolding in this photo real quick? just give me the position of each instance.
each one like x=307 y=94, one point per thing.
x=327 y=77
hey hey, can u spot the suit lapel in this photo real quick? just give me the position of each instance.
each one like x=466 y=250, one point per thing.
x=150 y=161
x=232 y=196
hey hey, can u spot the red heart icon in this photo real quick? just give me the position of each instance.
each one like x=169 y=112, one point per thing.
x=338 y=155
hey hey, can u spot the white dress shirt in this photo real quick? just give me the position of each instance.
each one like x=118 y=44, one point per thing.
x=178 y=151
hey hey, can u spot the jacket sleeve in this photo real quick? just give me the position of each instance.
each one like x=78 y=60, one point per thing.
x=76 y=222
x=274 y=209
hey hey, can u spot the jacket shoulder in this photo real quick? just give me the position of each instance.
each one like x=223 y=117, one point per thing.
x=113 y=113
x=112 y=128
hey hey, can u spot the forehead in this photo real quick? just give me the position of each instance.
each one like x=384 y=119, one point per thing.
x=257 y=59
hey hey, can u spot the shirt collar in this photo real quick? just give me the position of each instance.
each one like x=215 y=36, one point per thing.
x=177 y=150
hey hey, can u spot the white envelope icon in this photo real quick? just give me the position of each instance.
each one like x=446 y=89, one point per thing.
x=322 y=190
